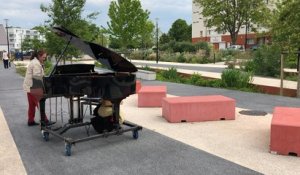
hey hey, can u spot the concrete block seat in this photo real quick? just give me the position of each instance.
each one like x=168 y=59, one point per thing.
x=198 y=108
x=285 y=131
x=138 y=85
x=151 y=96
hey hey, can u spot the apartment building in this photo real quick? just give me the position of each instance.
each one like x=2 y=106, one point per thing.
x=246 y=38
x=16 y=36
x=3 y=39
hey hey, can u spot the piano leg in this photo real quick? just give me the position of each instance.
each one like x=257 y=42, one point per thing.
x=116 y=114
x=71 y=120
x=79 y=118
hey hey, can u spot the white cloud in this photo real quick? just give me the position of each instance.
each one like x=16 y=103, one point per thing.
x=27 y=13
x=98 y=2
x=176 y=5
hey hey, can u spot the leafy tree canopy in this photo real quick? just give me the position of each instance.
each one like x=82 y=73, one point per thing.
x=164 y=38
x=180 y=31
x=129 y=24
x=231 y=15
x=285 y=25
x=68 y=13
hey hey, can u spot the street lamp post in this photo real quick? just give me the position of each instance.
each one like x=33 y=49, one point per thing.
x=156 y=40
x=6 y=20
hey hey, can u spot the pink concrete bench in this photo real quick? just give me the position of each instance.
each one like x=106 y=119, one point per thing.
x=198 y=108
x=151 y=96
x=138 y=85
x=285 y=131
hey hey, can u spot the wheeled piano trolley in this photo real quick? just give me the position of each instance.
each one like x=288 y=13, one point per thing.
x=75 y=122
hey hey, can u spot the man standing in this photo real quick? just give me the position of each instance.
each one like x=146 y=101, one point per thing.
x=5 y=59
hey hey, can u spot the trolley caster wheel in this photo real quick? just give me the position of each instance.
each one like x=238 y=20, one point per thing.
x=68 y=147
x=135 y=134
x=45 y=135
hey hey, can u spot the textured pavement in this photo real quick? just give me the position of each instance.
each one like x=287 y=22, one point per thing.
x=152 y=153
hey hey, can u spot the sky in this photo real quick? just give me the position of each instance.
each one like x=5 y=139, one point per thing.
x=27 y=13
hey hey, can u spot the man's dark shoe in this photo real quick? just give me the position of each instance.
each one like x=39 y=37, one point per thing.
x=32 y=123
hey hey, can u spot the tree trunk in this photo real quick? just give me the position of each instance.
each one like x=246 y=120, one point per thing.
x=298 y=84
x=233 y=38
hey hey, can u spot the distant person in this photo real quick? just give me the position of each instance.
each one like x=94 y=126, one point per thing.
x=35 y=72
x=21 y=56
x=5 y=59
x=17 y=56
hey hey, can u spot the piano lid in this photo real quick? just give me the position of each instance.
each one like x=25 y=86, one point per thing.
x=105 y=56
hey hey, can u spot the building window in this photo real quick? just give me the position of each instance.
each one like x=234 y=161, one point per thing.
x=201 y=33
x=250 y=41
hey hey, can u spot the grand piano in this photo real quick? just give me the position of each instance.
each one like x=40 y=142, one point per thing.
x=81 y=81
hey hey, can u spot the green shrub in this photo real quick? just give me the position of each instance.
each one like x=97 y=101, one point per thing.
x=196 y=79
x=20 y=65
x=170 y=74
x=136 y=55
x=181 y=58
x=184 y=47
x=214 y=83
x=203 y=46
x=266 y=61
x=164 y=47
x=166 y=56
x=291 y=61
x=48 y=67
x=233 y=78
x=21 y=71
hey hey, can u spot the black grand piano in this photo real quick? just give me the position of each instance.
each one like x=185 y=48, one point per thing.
x=80 y=81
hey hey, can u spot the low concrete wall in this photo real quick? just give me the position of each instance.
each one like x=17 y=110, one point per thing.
x=145 y=75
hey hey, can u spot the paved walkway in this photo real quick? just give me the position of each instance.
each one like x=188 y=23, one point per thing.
x=10 y=160
x=152 y=153
x=244 y=141
x=163 y=148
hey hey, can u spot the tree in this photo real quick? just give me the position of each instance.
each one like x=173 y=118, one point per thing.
x=146 y=39
x=285 y=24
x=180 y=31
x=164 y=38
x=231 y=15
x=129 y=24
x=68 y=13
x=285 y=28
x=31 y=44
